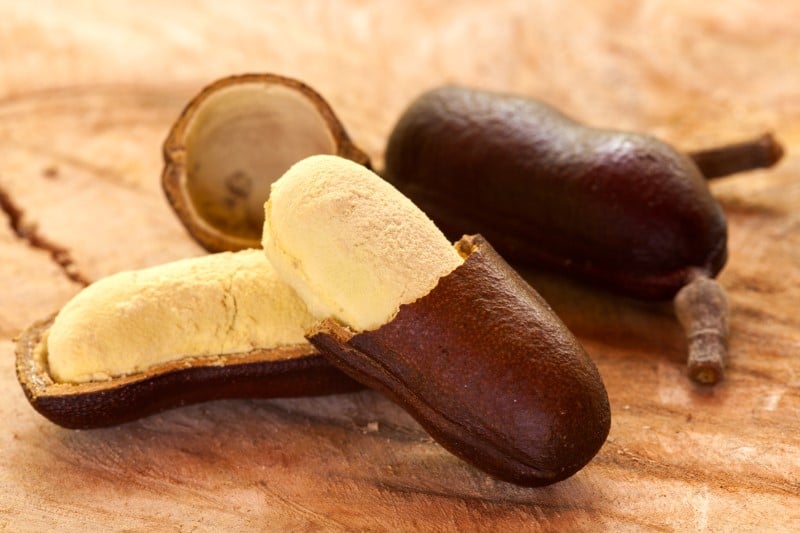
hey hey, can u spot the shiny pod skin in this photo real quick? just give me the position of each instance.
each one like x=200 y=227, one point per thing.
x=622 y=210
x=485 y=366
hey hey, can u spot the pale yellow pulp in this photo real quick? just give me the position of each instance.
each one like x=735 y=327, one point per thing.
x=217 y=304
x=351 y=245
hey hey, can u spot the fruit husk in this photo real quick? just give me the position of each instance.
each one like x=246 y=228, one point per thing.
x=174 y=176
x=294 y=371
x=487 y=368
x=621 y=210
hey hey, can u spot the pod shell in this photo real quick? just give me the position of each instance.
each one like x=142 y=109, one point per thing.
x=625 y=211
x=175 y=174
x=486 y=367
x=297 y=371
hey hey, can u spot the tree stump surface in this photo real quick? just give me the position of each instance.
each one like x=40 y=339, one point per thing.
x=87 y=94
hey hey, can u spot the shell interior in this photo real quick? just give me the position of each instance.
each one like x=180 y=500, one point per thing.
x=241 y=139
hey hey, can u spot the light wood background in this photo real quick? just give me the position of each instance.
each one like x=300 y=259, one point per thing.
x=87 y=93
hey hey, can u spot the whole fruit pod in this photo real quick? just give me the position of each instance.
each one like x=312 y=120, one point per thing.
x=621 y=210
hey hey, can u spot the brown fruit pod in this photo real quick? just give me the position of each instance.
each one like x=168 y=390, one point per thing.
x=485 y=366
x=230 y=143
x=621 y=210
x=296 y=371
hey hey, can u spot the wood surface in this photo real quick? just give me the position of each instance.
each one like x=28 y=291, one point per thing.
x=88 y=91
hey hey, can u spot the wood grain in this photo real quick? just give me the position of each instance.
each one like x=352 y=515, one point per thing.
x=87 y=94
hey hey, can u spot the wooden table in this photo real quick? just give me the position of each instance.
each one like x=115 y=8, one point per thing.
x=87 y=93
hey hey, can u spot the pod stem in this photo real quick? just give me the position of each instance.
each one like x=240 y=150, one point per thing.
x=702 y=309
x=761 y=152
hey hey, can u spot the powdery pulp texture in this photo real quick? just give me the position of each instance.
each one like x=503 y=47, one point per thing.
x=351 y=245
x=217 y=304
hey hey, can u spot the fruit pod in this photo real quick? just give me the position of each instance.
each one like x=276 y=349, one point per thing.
x=623 y=211
x=485 y=366
x=235 y=138
x=137 y=342
x=284 y=372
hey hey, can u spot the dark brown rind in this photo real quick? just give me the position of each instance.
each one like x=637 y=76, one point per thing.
x=299 y=371
x=174 y=175
x=485 y=366
x=624 y=211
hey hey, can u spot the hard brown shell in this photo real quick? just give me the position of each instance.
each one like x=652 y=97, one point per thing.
x=297 y=371
x=622 y=210
x=486 y=367
x=215 y=235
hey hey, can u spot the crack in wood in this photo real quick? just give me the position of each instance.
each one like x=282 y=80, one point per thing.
x=29 y=233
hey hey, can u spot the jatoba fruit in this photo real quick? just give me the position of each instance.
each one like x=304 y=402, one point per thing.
x=139 y=342
x=451 y=333
x=233 y=139
x=621 y=210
